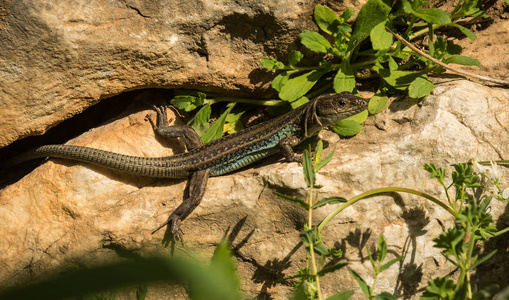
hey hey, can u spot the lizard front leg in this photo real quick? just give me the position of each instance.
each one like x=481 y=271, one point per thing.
x=286 y=145
x=164 y=129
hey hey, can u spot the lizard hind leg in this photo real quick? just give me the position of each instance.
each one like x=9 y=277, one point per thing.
x=196 y=189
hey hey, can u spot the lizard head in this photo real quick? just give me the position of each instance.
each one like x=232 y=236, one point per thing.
x=331 y=108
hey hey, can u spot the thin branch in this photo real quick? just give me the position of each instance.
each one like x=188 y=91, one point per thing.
x=452 y=69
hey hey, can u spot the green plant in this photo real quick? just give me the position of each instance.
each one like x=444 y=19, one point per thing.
x=344 y=58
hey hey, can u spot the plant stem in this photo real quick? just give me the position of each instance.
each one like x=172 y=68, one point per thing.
x=382 y=191
x=246 y=100
x=311 y=247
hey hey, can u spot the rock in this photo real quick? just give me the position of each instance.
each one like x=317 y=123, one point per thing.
x=57 y=59
x=65 y=214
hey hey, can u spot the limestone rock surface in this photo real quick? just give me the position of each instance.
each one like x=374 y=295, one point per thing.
x=65 y=214
x=58 y=58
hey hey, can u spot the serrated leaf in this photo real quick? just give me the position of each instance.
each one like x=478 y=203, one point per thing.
x=381 y=39
x=314 y=41
x=331 y=269
x=294 y=57
x=319 y=248
x=371 y=14
x=465 y=31
x=343 y=295
x=439 y=288
x=364 y=286
x=295 y=200
x=299 y=86
x=344 y=81
x=420 y=87
x=307 y=165
x=461 y=60
x=385 y=296
x=307 y=237
x=329 y=200
x=215 y=130
x=377 y=103
x=326 y=19
x=390 y=263
x=271 y=64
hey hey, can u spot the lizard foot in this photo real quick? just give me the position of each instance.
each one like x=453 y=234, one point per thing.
x=173 y=223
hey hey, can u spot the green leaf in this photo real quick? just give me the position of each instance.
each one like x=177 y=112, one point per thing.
x=399 y=79
x=331 y=269
x=314 y=41
x=435 y=172
x=202 y=117
x=371 y=14
x=344 y=81
x=347 y=14
x=385 y=296
x=280 y=80
x=271 y=64
x=393 y=65
x=480 y=261
x=381 y=249
x=299 y=102
x=420 y=87
x=377 y=103
x=318 y=153
x=299 y=86
x=439 y=288
x=215 y=131
x=329 y=200
x=309 y=173
x=364 y=286
x=343 y=295
x=319 y=248
x=390 y=263
x=307 y=237
x=294 y=57
x=465 y=31
x=188 y=103
x=323 y=162
x=347 y=128
x=295 y=200
x=381 y=39
x=433 y=15
x=141 y=292
x=461 y=60
x=326 y=19
x=360 y=117
x=452 y=241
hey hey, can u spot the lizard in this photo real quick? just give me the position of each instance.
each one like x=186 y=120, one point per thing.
x=217 y=157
